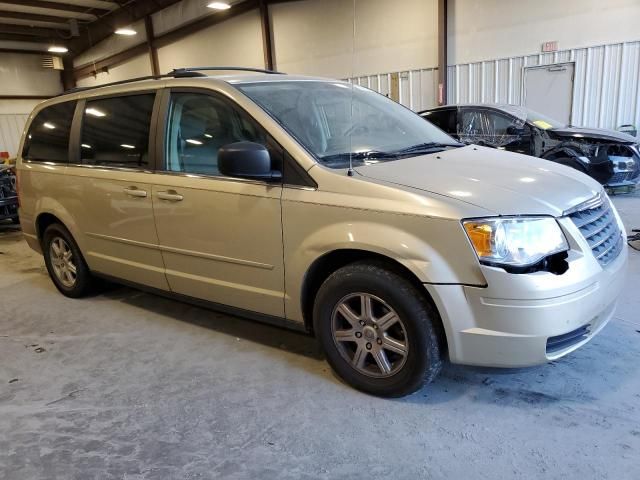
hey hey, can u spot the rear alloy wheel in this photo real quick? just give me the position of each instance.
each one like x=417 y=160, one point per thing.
x=62 y=262
x=378 y=331
x=65 y=264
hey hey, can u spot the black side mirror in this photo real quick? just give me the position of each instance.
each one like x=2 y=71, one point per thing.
x=513 y=130
x=247 y=160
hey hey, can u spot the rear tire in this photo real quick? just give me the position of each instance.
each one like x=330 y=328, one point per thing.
x=65 y=263
x=378 y=331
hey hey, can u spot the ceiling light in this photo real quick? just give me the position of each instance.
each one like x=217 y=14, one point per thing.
x=57 y=49
x=125 y=145
x=95 y=112
x=208 y=136
x=84 y=145
x=219 y=6
x=193 y=141
x=48 y=125
x=125 y=31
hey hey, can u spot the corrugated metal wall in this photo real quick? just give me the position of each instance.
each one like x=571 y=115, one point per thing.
x=417 y=89
x=606 y=91
x=11 y=126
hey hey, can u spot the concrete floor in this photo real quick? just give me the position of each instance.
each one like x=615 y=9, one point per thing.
x=130 y=385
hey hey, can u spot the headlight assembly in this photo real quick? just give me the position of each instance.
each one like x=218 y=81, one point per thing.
x=515 y=241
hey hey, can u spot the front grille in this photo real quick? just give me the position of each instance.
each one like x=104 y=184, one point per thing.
x=560 y=342
x=618 y=177
x=599 y=227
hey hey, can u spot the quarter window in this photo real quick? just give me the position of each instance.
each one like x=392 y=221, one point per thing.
x=199 y=125
x=115 y=131
x=48 y=136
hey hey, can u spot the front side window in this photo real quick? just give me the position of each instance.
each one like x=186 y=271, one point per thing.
x=199 y=125
x=484 y=126
x=115 y=131
x=341 y=124
x=48 y=136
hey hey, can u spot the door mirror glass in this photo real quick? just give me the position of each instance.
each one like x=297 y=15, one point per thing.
x=247 y=160
x=515 y=130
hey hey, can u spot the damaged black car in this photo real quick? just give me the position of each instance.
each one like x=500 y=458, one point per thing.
x=610 y=157
x=8 y=195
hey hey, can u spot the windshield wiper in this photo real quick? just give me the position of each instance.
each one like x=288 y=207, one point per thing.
x=427 y=147
x=359 y=157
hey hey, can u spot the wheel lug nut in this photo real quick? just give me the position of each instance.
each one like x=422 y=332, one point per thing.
x=379 y=341
x=375 y=326
x=362 y=323
x=358 y=334
x=368 y=346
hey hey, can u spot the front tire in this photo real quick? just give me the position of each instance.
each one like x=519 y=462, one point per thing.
x=65 y=263
x=377 y=330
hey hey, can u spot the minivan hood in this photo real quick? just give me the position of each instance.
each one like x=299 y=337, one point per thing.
x=594 y=133
x=503 y=182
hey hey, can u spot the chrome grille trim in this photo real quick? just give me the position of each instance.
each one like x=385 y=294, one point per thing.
x=591 y=203
x=598 y=225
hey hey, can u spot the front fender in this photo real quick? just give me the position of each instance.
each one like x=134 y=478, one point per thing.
x=435 y=250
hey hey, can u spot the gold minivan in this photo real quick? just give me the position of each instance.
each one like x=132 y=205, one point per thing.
x=326 y=207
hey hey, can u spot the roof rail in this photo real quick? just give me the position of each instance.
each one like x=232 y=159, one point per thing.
x=188 y=72
x=195 y=70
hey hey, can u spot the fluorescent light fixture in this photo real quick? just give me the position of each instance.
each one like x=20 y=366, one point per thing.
x=48 y=125
x=193 y=141
x=57 y=49
x=219 y=6
x=125 y=31
x=125 y=145
x=84 y=145
x=208 y=135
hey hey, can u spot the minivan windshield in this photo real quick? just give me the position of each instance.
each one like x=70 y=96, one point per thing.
x=338 y=122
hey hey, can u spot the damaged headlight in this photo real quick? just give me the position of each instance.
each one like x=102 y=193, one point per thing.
x=515 y=241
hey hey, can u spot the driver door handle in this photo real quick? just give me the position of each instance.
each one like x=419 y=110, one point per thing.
x=170 y=195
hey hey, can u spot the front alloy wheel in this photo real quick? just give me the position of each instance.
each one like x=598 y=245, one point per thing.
x=370 y=335
x=379 y=331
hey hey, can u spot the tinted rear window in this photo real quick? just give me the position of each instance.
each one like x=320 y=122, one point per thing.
x=445 y=119
x=48 y=136
x=115 y=131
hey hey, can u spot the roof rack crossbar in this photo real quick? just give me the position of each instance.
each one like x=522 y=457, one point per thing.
x=175 y=73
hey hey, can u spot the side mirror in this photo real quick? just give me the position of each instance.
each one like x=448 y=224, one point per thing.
x=247 y=160
x=513 y=130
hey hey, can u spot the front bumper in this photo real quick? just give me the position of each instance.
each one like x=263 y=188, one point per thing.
x=509 y=322
x=8 y=207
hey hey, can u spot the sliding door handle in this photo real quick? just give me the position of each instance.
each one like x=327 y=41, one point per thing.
x=171 y=196
x=134 y=192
